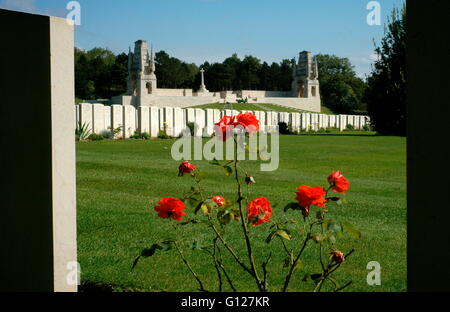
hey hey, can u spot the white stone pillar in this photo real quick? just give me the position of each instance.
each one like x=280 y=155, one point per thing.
x=38 y=203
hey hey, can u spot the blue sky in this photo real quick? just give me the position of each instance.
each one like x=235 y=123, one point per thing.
x=199 y=30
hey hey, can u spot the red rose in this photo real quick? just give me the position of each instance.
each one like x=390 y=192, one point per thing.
x=307 y=196
x=219 y=200
x=185 y=167
x=224 y=128
x=248 y=121
x=338 y=182
x=337 y=256
x=259 y=211
x=170 y=207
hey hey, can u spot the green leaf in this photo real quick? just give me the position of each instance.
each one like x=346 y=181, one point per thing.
x=207 y=206
x=350 y=229
x=293 y=206
x=271 y=235
x=318 y=238
x=198 y=207
x=145 y=253
x=192 y=202
x=228 y=203
x=148 y=252
x=224 y=216
x=299 y=265
x=283 y=234
x=215 y=162
x=228 y=170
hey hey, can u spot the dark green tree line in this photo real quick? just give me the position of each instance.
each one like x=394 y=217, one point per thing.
x=386 y=91
x=101 y=74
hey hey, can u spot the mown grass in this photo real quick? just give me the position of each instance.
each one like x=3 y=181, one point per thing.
x=252 y=107
x=119 y=182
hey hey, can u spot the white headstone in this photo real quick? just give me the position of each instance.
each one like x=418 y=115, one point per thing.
x=168 y=121
x=117 y=118
x=129 y=120
x=190 y=115
x=209 y=127
x=108 y=124
x=98 y=118
x=144 y=119
x=86 y=116
x=199 y=122
x=154 y=121
x=178 y=121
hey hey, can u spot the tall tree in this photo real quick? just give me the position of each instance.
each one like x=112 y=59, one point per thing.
x=386 y=92
x=341 y=90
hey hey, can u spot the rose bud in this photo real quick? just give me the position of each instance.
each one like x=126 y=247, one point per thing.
x=337 y=256
x=249 y=180
x=185 y=167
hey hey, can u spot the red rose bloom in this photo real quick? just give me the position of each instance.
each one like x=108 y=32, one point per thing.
x=337 y=256
x=248 y=121
x=224 y=128
x=259 y=211
x=307 y=196
x=170 y=207
x=185 y=167
x=219 y=200
x=338 y=182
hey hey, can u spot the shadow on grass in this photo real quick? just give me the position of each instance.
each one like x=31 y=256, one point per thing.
x=95 y=287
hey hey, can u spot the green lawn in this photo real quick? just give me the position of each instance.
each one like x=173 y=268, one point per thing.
x=118 y=183
x=252 y=107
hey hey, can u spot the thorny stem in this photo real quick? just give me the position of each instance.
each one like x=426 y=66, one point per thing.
x=219 y=261
x=232 y=252
x=180 y=252
x=328 y=271
x=294 y=264
x=216 y=263
x=254 y=273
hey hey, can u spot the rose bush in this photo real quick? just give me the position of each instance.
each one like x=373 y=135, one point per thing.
x=197 y=208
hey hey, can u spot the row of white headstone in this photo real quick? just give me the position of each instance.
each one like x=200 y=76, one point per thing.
x=101 y=119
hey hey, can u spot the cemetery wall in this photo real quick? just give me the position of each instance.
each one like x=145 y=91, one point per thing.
x=101 y=118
